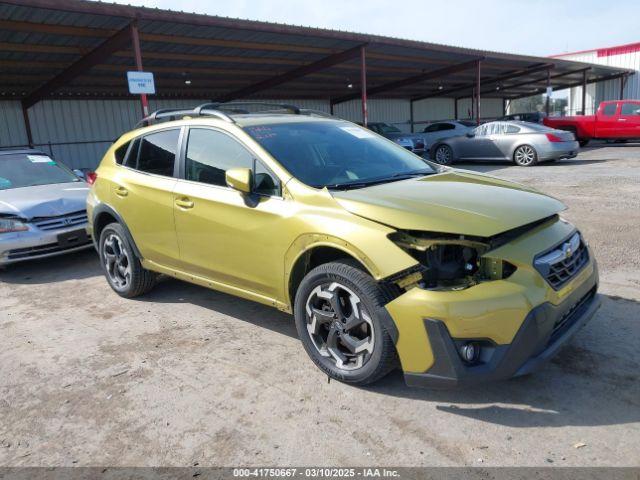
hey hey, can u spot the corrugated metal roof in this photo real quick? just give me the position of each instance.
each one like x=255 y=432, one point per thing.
x=177 y=45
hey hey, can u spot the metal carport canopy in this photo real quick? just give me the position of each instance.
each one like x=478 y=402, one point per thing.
x=80 y=49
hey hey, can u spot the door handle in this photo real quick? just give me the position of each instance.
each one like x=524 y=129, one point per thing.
x=121 y=191
x=622 y=119
x=184 y=203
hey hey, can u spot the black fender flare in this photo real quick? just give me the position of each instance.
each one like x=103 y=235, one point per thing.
x=106 y=209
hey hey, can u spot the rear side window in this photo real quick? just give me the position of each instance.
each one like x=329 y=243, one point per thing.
x=511 y=128
x=121 y=152
x=156 y=153
x=610 y=109
x=630 y=109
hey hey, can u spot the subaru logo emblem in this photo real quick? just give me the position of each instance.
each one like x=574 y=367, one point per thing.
x=566 y=249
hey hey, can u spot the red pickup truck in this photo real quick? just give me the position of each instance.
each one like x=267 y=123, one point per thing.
x=614 y=120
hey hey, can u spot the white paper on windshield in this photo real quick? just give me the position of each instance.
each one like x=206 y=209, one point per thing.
x=39 y=159
x=358 y=132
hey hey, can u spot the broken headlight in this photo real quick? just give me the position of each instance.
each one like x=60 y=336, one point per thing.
x=450 y=261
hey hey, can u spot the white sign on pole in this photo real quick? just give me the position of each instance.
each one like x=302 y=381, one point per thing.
x=141 y=82
x=549 y=91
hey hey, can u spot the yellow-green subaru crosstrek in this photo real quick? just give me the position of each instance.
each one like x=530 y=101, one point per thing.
x=383 y=258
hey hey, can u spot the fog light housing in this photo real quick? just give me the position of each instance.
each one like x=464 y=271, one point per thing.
x=470 y=352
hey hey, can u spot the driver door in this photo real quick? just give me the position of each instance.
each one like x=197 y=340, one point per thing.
x=223 y=234
x=477 y=147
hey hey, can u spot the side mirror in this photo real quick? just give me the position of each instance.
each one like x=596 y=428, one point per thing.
x=471 y=134
x=240 y=179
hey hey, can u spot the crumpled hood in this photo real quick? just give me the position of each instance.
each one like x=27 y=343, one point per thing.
x=44 y=200
x=454 y=201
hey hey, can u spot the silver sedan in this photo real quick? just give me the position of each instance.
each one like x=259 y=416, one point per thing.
x=523 y=143
x=42 y=207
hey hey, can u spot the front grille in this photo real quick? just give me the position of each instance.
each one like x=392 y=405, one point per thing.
x=61 y=221
x=570 y=316
x=559 y=265
x=49 y=248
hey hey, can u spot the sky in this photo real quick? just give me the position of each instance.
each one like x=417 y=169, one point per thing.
x=534 y=27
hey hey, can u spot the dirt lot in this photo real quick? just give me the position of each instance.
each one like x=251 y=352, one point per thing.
x=188 y=375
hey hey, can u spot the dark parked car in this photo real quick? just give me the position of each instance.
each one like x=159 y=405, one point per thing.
x=411 y=141
x=533 y=117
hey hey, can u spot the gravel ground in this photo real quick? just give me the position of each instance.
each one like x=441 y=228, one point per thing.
x=186 y=375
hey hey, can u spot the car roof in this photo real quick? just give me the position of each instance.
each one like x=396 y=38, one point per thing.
x=21 y=151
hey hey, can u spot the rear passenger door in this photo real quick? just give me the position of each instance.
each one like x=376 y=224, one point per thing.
x=143 y=194
x=629 y=120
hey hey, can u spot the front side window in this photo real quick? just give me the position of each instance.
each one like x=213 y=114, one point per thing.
x=385 y=128
x=336 y=154
x=211 y=153
x=610 y=109
x=29 y=170
x=630 y=109
x=155 y=153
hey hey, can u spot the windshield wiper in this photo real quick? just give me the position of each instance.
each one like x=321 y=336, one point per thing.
x=378 y=181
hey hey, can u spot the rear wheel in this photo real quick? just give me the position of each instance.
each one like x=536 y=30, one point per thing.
x=338 y=310
x=443 y=155
x=525 y=156
x=122 y=268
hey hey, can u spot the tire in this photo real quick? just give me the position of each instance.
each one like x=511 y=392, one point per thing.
x=583 y=143
x=122 y=267
x=443 y=155
x=372 y=353
x=525 y=156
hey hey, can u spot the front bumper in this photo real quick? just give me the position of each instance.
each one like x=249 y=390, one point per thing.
x=519 y=322
x=35 y=244
x=535 y=343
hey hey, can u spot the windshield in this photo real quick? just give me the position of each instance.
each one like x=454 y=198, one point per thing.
x=335 y=154
x=386 y=128
x=28 y=170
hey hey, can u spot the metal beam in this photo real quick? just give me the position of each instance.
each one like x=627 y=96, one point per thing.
x=496 y=79
x=422 y=77
x=292 y=74
x=478 y=92
x=571 y=85
x=547 y=105
x=584 y=92
x=363 y=85
x=542 y=79
x=94 y=57
x=135 y=41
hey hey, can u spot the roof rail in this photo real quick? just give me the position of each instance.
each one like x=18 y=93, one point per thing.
x=169 y=114
x=218 y=110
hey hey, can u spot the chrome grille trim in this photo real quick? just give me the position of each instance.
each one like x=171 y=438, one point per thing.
x=561 y=264
x=61 y=221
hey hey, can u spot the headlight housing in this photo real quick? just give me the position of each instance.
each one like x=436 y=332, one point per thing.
x=450 y=262
x=10 y=225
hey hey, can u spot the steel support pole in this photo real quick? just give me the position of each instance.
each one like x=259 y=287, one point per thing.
x=504 y=106
x=477 y=96
x=135 y=40
x=411 y=114
x=27 y=125
x=455 y=109
x=584 y=92
x=547 y=106
x=363 y=84
x=623 y=82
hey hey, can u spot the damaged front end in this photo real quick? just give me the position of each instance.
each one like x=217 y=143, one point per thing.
x=454 y=262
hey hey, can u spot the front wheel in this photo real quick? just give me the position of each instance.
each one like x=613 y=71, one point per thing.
x=443 y=155
x=338 y=314
x=122 y=267
x=525 y=156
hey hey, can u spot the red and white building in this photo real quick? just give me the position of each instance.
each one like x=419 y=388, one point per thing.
x=624 y=56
